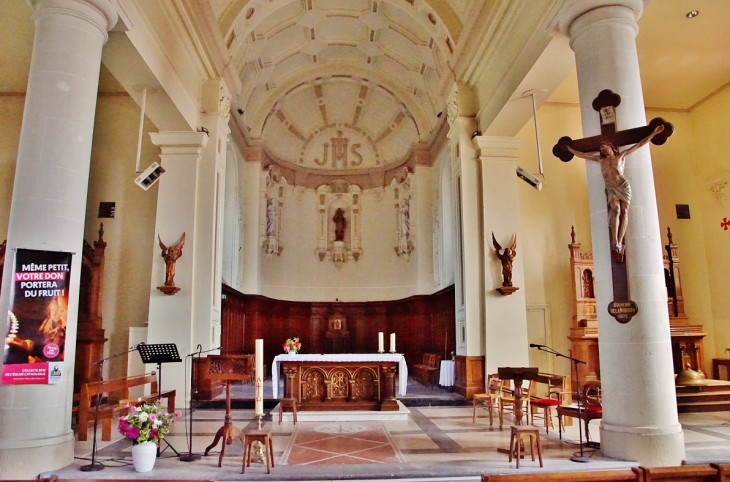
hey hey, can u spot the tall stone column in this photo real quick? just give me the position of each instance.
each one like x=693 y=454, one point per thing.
x=639 y=407
x=469 y=366
x=48 y=210
x=189 y=201
x=505 y=316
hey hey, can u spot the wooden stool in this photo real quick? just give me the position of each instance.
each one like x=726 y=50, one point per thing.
x=288 y=403
x=515 y=445
x=258 y=436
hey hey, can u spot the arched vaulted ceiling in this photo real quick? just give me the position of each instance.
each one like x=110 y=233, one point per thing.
x=315 y=70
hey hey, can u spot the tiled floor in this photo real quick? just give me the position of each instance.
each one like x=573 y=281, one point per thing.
x=437 y=442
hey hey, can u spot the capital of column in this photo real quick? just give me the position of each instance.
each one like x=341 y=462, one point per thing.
x=179 y=143
x=578 y=15
x=100 y=13
x=216 y=98
x=497 y=148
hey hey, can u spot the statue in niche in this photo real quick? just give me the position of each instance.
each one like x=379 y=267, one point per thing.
x=272 y=217
x=340 y=224
x=507 y=256
x=405 y=218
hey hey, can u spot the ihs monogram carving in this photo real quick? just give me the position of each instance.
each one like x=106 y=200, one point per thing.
x=339 y=152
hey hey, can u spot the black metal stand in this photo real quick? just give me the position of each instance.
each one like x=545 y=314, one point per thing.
x=190 y=456
x=575 y=458
x=160 y=353
x=94 y=466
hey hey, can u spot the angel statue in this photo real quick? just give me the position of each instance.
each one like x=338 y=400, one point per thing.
x=508 y=254
x=170 y=255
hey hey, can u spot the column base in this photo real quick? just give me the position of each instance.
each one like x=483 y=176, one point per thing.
x=28 y=462
x=649 y=449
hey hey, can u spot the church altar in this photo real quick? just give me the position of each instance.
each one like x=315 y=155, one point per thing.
x=347 y=381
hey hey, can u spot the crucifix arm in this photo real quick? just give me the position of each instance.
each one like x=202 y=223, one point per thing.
x=582 y=155
x=644 y=141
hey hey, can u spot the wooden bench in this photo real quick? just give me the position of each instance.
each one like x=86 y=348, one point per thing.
x=114 y=395
x=427 y=372
x=683 y=473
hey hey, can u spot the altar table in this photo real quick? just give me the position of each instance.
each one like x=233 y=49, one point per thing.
x=344 y=381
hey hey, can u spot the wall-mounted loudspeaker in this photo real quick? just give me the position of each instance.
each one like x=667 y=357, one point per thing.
x=149 y=176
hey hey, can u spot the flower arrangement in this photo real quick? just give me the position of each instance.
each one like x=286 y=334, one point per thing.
x=292 y=345
x=146 y=423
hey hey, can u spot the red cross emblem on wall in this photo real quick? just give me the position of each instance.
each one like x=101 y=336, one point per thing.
x=725 y=223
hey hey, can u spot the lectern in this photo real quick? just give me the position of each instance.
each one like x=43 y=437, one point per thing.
x=518 y=375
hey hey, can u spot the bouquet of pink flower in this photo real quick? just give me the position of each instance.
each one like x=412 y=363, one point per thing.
x=146 y=423
x=292 y=345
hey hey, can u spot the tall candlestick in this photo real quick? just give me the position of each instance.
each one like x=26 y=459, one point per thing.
x=380 y=342
x=392 y=342
x=259 y=398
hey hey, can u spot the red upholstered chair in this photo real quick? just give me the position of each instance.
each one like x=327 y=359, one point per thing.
x=556 y=388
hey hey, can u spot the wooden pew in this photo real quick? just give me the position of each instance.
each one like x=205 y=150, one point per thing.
x=683 y=473
x=622 y=475
x=428 y=371
x=117 y=396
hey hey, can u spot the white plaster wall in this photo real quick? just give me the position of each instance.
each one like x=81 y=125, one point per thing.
x=298 y=274
x=129 y=234
x=249 y=181
x=12 y=108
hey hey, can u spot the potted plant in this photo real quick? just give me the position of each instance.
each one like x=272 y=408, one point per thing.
x=146 y=425
x=292 y=346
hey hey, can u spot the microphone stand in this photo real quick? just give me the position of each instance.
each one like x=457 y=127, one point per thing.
x=575 y=458
x=190 y=456
x=93 y=466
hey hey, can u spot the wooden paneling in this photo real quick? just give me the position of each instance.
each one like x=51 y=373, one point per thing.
x=469 y=375
x=421 y=324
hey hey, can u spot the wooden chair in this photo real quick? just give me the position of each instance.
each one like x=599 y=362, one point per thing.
x=229 y=368
x=590 y=406
x=489 y=400
x=507 y=400
x=556 y=389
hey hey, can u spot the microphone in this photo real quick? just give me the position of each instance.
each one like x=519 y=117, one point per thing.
x=532 y=345
x=135 y=347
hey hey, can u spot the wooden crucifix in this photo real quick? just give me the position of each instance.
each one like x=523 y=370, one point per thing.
x=618 y=189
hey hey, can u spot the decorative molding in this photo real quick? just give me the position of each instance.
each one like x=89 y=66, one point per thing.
x=273 y=204
x=402 y=190
x=717 y=185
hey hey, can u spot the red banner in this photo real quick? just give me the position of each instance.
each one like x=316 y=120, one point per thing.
x=35 y=340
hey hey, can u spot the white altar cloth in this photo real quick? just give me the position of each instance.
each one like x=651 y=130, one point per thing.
x=338 y=357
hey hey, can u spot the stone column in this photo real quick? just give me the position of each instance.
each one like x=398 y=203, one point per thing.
x=639 y=406
x=505 y=316
x=469 y=366
x=48 y=209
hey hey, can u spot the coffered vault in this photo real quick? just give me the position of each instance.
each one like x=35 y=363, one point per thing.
x=397 y=51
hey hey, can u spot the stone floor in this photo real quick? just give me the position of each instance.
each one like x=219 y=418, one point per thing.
x=437 y=442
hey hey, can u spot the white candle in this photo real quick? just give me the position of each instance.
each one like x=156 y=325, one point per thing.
x=380 y=342
x=259 y=375
x=392 y=342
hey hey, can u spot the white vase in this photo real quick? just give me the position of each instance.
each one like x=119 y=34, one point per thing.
x=144 y=456
x=292 y=352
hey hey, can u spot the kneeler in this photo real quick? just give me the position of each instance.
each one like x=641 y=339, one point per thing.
x=229 y=369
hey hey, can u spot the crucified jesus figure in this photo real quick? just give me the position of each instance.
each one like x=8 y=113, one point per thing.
x=618 y=189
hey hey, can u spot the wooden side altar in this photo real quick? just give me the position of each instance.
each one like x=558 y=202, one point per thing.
x=341 y=381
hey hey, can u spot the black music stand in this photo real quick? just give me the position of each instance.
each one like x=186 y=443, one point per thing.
x=160 y=353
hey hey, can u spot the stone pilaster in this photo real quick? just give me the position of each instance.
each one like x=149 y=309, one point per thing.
x=505 y=316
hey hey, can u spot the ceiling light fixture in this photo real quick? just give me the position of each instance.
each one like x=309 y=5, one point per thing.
x=693 y=14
